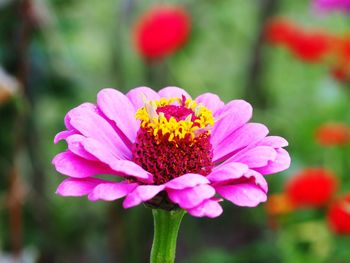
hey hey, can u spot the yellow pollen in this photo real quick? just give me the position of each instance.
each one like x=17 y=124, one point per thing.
x=172 y=129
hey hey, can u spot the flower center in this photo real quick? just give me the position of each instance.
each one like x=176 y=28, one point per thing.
x=177 y=112
x=174 y=138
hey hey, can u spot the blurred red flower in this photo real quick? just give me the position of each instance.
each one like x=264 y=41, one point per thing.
x=341 y=70
x=330 y=134
x=280 y=31
x=311 y=187
x=311 y=47
x=161 y=31
x=338 y=216
x=307 y=46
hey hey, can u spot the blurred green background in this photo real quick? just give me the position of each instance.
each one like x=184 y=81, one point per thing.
x=63 y=51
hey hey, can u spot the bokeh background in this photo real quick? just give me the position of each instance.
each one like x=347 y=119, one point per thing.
x=56 y=54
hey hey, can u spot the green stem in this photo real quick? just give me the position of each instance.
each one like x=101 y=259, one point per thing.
x=166 y=227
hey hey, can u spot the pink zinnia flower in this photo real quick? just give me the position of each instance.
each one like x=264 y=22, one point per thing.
x=332 y=5
x=168 y=151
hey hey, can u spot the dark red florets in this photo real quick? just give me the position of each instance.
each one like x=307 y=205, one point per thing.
x=167 y=160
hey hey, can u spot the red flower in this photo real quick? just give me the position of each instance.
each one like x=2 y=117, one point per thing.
x=161 y=31
x=280 y=31
x=308 y=46
x=338 y=216
x=311 y=47
x=341 y=70
x=344 y=48
x=311 y=187
x=330 y=134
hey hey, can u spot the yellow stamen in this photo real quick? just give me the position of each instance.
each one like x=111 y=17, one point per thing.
x=160 y=126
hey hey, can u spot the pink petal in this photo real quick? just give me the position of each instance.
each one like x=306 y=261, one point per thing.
x=281 y=163
x=232 y=116
x=236 y=173
x=76 y=147
x=132 y=169
x=77 y=187
x=255 y=157
x=186 y=180
x=209 y=208
x=173 y=92
x=257 y=178
x=118 y=108
x=72 y=165
x=191 y=197
x=100 y=151
x=141 y=194
x=244 y=194
x=135 y=96
x=63 y=135
x=228 y=171
x=67 y=122
x=274 y=141
x=89 y=123
x=211 y=101
x=248 y=134
x=123 y=167
x=111 y=191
